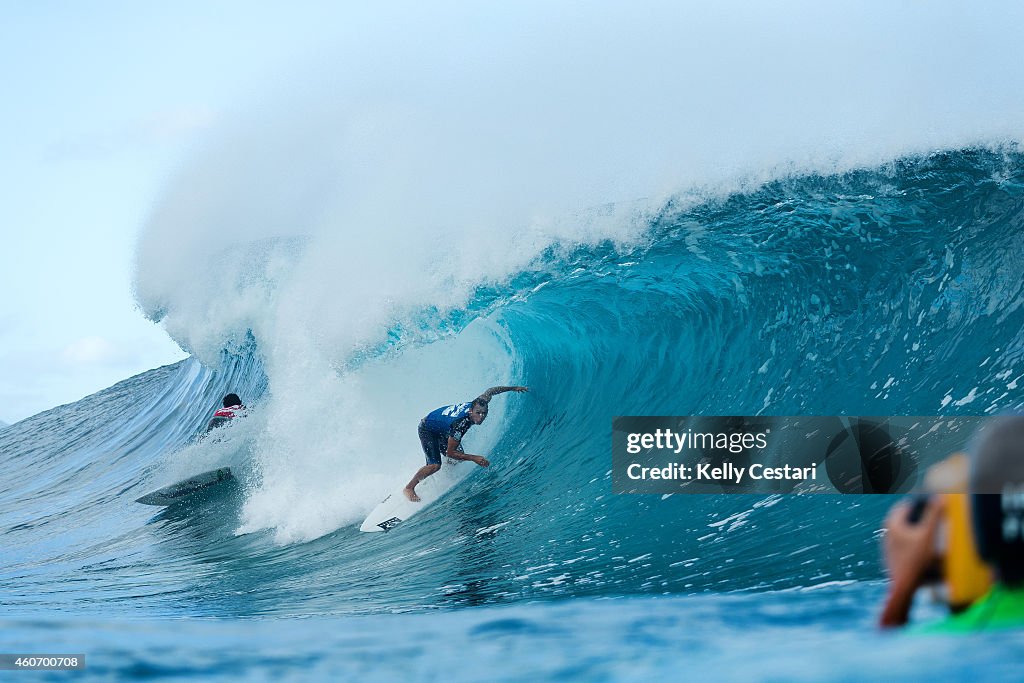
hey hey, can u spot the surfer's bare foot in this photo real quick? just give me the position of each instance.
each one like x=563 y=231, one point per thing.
x=410 y=493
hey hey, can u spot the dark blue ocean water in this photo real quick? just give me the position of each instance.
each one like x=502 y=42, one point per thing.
x=894 y=290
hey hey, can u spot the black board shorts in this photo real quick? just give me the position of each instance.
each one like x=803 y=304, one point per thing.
x=434 y=445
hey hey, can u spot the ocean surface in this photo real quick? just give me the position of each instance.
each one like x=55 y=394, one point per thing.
x=895 y=289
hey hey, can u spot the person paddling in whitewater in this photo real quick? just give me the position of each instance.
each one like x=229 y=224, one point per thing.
x=442 y=430
x=232 y=408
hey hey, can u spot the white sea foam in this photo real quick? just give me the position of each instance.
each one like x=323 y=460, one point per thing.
x=343 y=441
x=448 y=146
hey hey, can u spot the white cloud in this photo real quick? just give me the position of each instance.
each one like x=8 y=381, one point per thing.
x=156 y=128
x=179 y=122
x=89 y=351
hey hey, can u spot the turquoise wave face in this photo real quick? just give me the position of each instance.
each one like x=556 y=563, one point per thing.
x=890 y=291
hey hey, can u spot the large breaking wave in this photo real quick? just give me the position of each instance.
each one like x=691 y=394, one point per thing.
x=710 y=221
x=893 y=290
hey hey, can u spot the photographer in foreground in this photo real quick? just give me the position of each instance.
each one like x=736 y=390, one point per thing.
x=996 y=510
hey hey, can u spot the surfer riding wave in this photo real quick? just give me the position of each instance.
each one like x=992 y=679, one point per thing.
x=441 y=433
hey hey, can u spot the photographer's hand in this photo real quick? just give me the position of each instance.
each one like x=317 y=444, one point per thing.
x=908 y=550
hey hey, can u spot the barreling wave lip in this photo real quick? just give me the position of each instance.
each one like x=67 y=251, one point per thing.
x=246 y=266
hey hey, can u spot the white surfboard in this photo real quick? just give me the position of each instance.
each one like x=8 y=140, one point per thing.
x=396 y=508
x=182 y=489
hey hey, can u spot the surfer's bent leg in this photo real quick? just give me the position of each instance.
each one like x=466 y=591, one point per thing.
x=433 y=446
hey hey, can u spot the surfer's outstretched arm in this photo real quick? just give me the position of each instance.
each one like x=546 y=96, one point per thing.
x=494 y=391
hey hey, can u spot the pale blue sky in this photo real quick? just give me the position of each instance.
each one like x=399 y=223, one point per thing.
x=102 y=101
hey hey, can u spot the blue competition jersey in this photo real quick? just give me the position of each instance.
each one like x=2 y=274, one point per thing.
x=450 y=420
